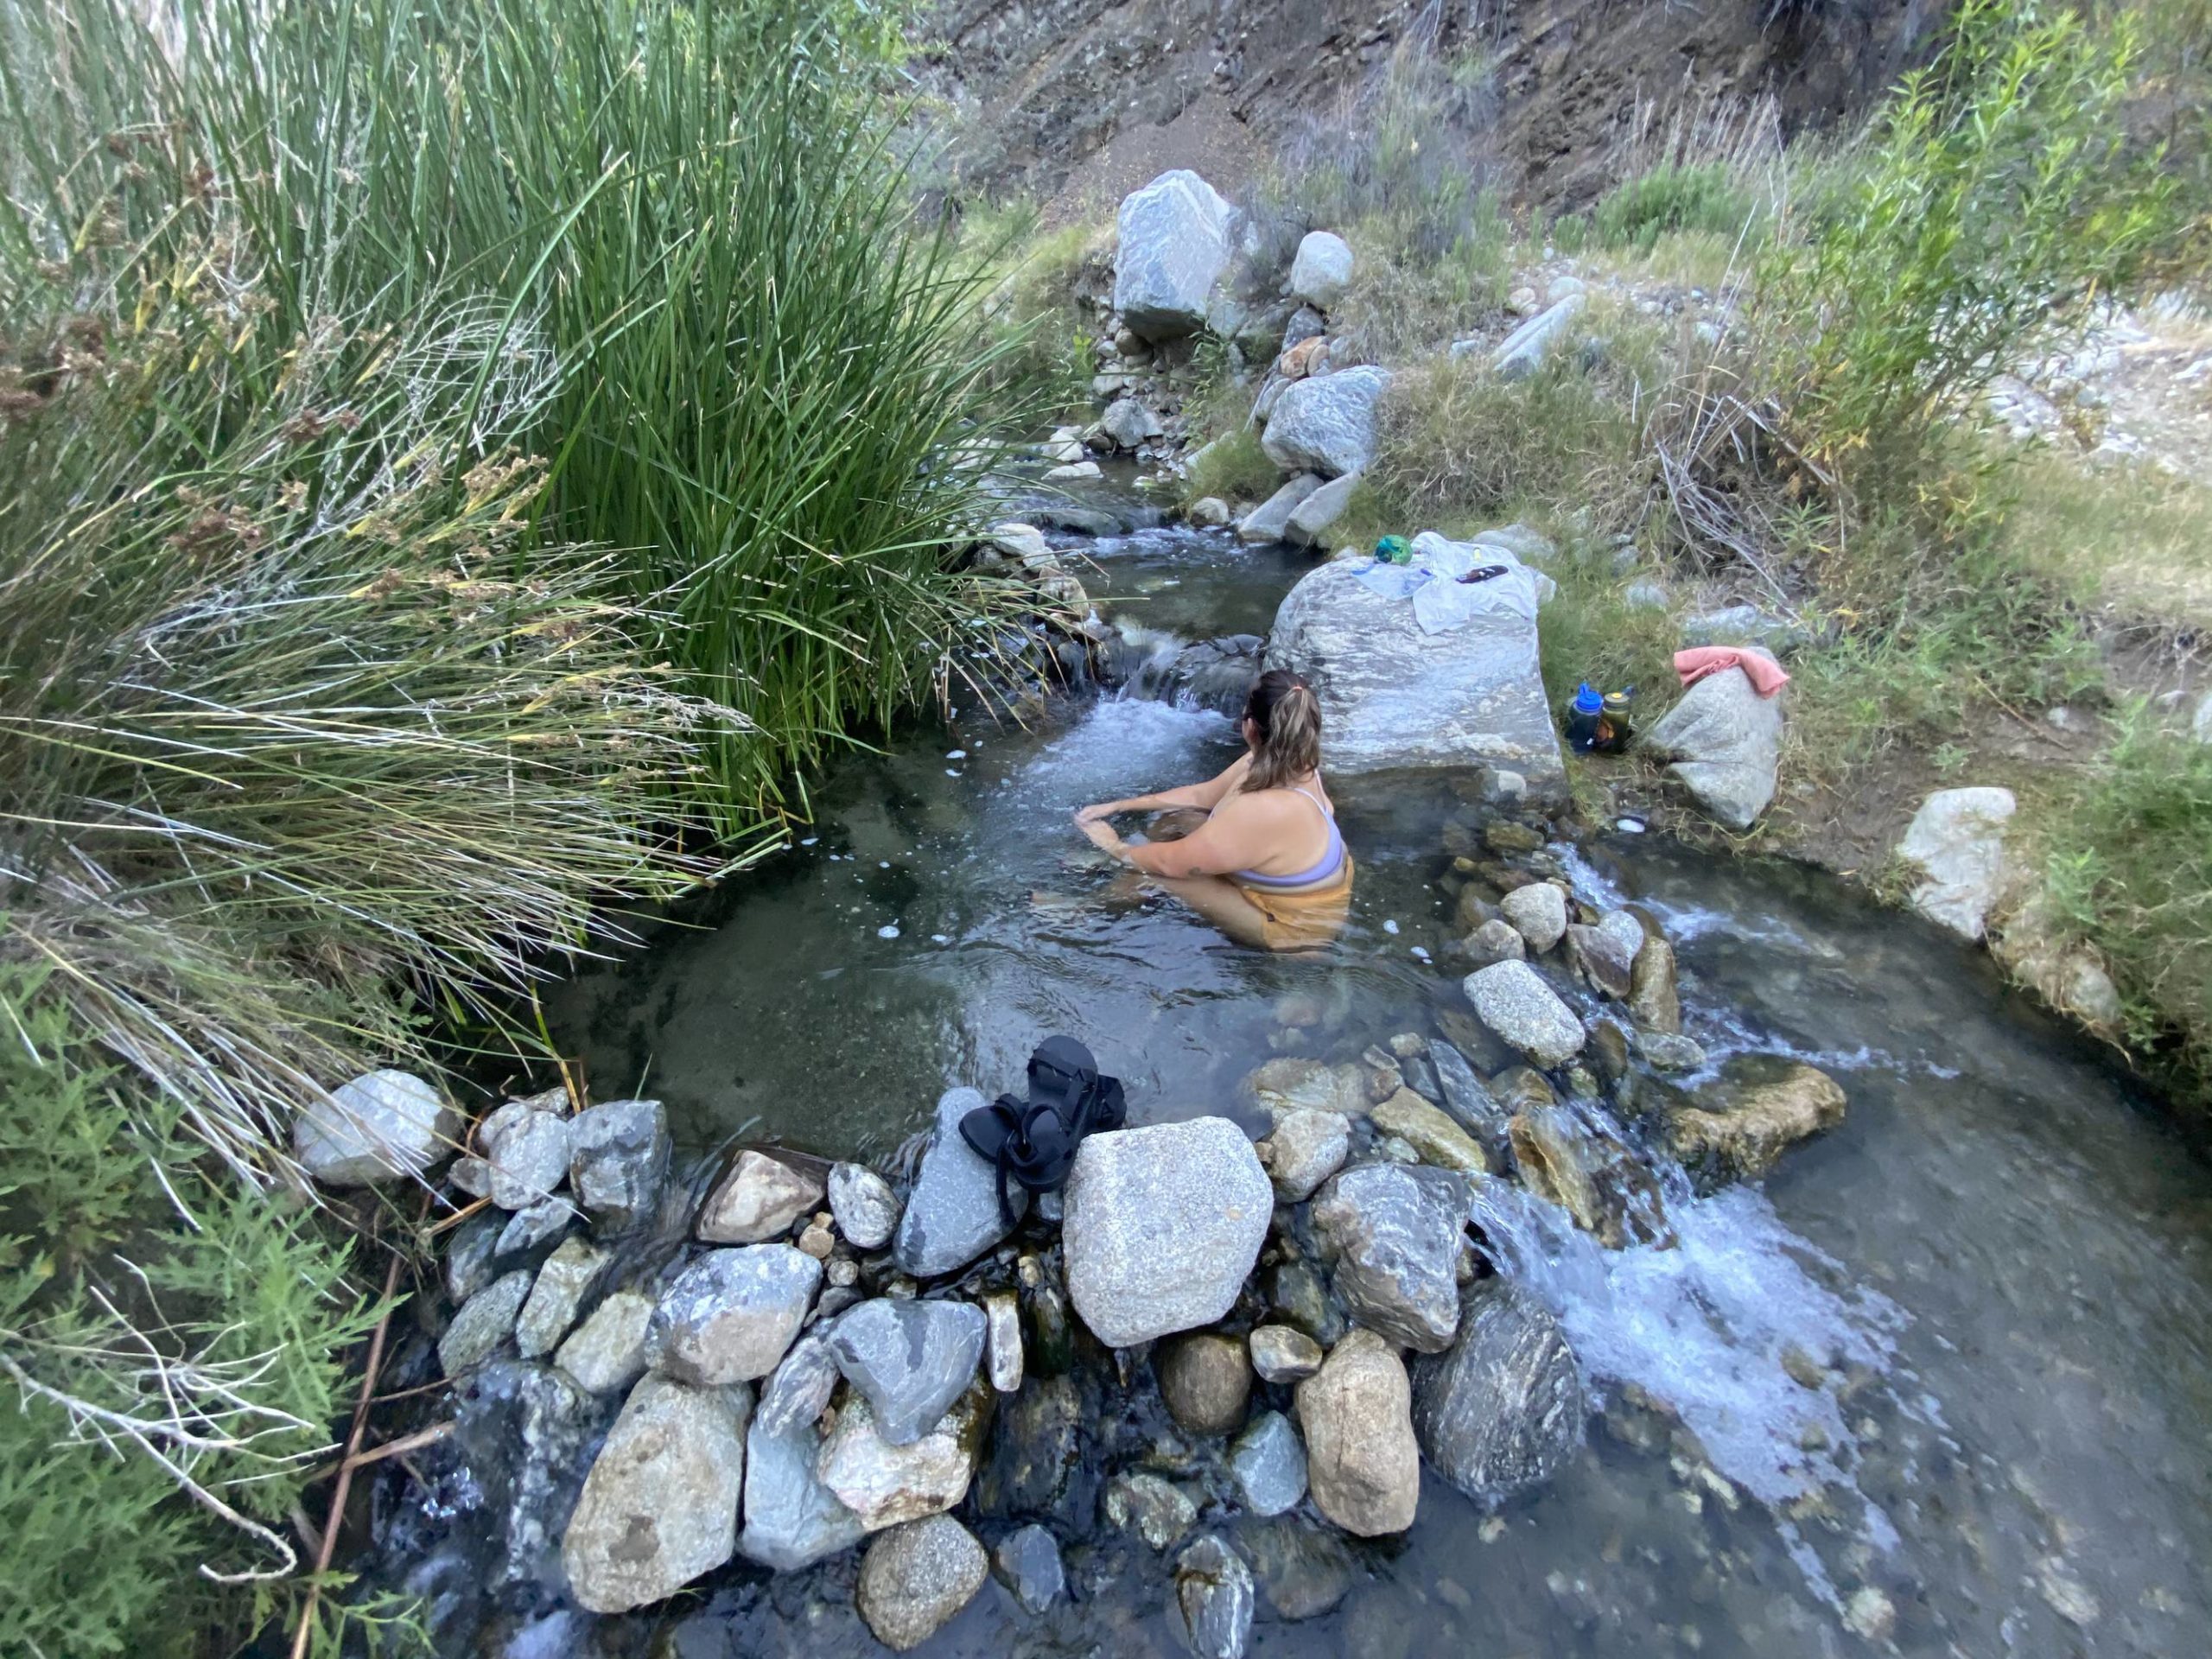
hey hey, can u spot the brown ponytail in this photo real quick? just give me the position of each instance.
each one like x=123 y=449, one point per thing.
x=1288 y=716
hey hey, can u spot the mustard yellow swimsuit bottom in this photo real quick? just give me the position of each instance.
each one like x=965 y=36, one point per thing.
x=1302 y=919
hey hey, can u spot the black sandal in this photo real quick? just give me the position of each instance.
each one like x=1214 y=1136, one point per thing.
x=1032 y=1141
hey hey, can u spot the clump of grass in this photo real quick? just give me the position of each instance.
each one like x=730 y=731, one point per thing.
x=1232 y=466
x=1676 y=196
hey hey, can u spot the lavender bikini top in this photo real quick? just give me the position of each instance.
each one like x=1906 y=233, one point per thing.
x=1332 y=857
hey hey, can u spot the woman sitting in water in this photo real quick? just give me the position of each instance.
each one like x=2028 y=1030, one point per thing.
x=1264 y=863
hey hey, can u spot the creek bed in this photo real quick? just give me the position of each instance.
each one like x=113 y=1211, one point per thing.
x=1999 y=1259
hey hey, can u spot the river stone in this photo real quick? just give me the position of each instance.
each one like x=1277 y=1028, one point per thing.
x=1362 y=1461
x=952 y=1215
x=916 y=1577
x=1162 y=1225
x=1322 y=271
x=1513 y=1001
x=1173 y=243
x=378 y=1126
x=863 y=1204
x=1394 y=696
x=883 y=1484
x=1269 y=1465
x=1298 y=1298
x=1665 y=1050
x=1495 y=940
x=562 y=1283
x=1208 y=513
x=1269 y=522
x=475 y=1247
x=1312 y=519
x=912 y=1359
x=606 y=1352
x=1724 y=741
x=1957 y=838
x=758 y=1200
x=1397 y=1232
x=799 y=1389
x=1304 y=1569
x=618 y=1160
x=1028 y=1561
x=731 y=1314
x=1325 y=423
x=1466 y=1098
x=1653 y=1002
x=1743 y=1121
x=1306 y=1149
x=1130 y=423
x=1430 y=1133
x=1206 y=1382
x=484 y=1321
x=1502 y=1409
x=1519 y=351
x=527 y=1151
x=1538 y=912
x=1036 y=1449
x=1213 y=1608
x=1293 y=1085
x=1156 y=1508
x=523 y=1433
x=660 y=1507
x=541 y=1224
x=1607 y=954
x=1555 y=1160
x=791 y=1520
x=1283 y=1353
x=1002 y=1316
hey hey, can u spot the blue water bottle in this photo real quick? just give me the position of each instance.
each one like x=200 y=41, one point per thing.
x=1583 y=718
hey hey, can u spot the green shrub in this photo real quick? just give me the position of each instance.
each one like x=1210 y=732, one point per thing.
x=1698 y=196
x=1232 y=466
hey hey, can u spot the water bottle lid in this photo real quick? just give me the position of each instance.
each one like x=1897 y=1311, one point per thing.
x=1587 y=702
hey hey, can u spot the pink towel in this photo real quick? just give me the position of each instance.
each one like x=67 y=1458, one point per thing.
x=1762 y=671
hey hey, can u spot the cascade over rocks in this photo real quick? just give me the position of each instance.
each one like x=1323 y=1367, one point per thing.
x=1502 y=1408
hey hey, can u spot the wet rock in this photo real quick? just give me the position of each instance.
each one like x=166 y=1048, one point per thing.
x=1605 y=954
x=1292 y=1084
x=1521 y=351
x=1325 y=423
x=1306 y=1148
x=1724 y=741
x=800 y=1387
x=1496 y=940
x=1557 y=1160
x=1467 y=1098
x=618 y=1160
x=475 y=1247
x=1173 y=246
x=522 y=1431
x=1957 y=837
x=1313 y=518
x=1430 y=1133
x=1670 y=1051
x=558 y=1294
x=1362 y=1464
x=1509 y=837
x=866 y=1208
x=1396 y=1233
x=730 y=1316
x=912 y=1359
x=1607 y=1051
x=1003 y=1314
x=484 y=1323
x=1212 y=1609
x=952 y=1215
x=1322 y=270
x=883 y=1484
x=1299 y=1299
x=791 y=1520
x=381 y=1125
x=1304 y=1570
x=1208 y=513
x=606 y=1352
x=528 y=1229
x=1162 y=1226
x=1746 y=1118
x=1512 y=1000
x=1267 y=524
x=1269 y=1465
x=1028 y=1562
x=527 y=1152
x=1157 y=1510
x=1283 y=1353
x=1502 y=1408
x=916 y=1578
x=1206 y=1382
x=1653 y=1003
x=1036 y=1449
x=660 y=1507
x=756 y=1200
x=1130 y=423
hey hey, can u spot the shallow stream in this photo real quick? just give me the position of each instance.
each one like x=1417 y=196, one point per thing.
x=1942 y=1386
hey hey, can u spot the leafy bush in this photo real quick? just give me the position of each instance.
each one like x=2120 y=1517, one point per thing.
x=1675 y=196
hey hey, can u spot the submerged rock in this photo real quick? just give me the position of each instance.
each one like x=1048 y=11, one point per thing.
x=1173 y=243
x=883 y=1484
x=1743 y=1121
x=1269 y=1465
x=618 y=1160
x=1306 y=1148
x=1306 y=1570
x=866 y=1209
x=952 y=1215
x=1958 y=838
x=1724 y=741
x=1502 y=1408
x=1293 y=1085
x=756 y=1200
x=1325 y=423
x=912 y=1359
x=1295 y=1293
x=1162 y=1226
x=731 y=1314
x=522 y=1431
x=381 y=1125
x=1430 y=1133
x=1028 y=1562
x=791 y=1520
x=1511 y=999
x=1205 y=1380
x=1157 y=1510
x=1212 y=1609
x=1495 y=940
x=484 y=1321
x=1362 y=1464
x=916 y=1578
x=1396 y=1233
x=1467 y=1097
x=606 y=1352
x=1036 y=1449
x=660 y=1507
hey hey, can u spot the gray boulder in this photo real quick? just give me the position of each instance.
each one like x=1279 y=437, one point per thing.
x=1325 y=423
x=1606 y=953
x=1269 y=1465
x=1293 y=1085
x=757 y=1199
x=1519 y=353
x=1174 y=243
x=1212 y=1609
x=912 y=1359
x=1501 y=1409
x=1724 y=741
x=801 y=1387
x=660 y=1507
x=526 y=1229
x=952 y=1214
x=470 y=1257
x=917 y=1577
x=1396 y=1231
x=484 y=1321
x=618 y=1160
x=865 y=1207
x=1538 y=912
x=1302 y=325
x=1322 y=271
x=1028 y=1562
x=1269 y=522
x=730 y=1316
x=1162 y=1226
x=378 y=1126
x=527 y=1152
x=1312 y=519
x=1130 y=423
x=1513 y=1001
x=1306 y=1148
x=791 y=1520
x=1957 y=839
x=558 y=1295
x=606 y=1352
x=1394 y=695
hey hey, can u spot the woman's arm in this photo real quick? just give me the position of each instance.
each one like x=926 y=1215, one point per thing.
x=1225 y=843
x=1206 y=796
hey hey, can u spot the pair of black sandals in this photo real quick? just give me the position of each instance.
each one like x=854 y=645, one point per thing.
x=1031 y=1139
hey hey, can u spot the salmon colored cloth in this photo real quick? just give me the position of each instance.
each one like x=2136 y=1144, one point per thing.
x=1762 y=671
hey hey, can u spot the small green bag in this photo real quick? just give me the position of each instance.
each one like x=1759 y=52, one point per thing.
x=1394 y=550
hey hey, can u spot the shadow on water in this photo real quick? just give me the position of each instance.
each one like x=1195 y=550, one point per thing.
x=1940 y=1386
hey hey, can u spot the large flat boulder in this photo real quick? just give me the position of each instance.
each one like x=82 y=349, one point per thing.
x=1449 y=680
x=1174 y=243
x=1326 y=422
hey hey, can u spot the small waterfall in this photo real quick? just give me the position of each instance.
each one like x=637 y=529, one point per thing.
x=1144 y=662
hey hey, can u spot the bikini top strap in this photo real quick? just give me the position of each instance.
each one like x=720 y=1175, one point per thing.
x=1297 y=789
